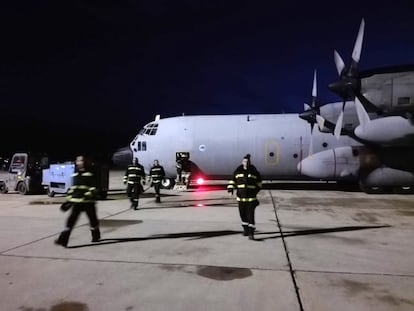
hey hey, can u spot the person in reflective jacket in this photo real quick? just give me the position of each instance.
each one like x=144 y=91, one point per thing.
x=157 y=174
x=133 y=175
x=81 y=198
x=247 y=181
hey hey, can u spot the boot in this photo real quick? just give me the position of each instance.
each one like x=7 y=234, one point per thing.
x=134 y=205
x=245 y=230
x=251 y=233
x=96 y=235
x=158 y=199
x=63 y=238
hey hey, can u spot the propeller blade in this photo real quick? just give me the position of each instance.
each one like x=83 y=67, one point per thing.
x=306 y=107
x=314 y=86
x=339 y=63
x=311 y=141
x=321 y=121
x=338 y=125
x=356 y=53
x=363 y=116
x=367 y=104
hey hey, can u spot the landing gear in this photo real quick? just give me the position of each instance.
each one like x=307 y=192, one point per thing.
x=403 y=190
x=167 y=183
x=375 y=189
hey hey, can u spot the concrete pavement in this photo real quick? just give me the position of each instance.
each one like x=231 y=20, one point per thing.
x=314 y=250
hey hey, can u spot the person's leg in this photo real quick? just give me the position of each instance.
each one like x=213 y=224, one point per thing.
x=90 y=210
x=157 y=187
x=243 y=217
x=250 y=209
x=135 y=195
x=129 y=190
x=63 y=238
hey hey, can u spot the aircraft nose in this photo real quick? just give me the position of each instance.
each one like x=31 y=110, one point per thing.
x=122 y=157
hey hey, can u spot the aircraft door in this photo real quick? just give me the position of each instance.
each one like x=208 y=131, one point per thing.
x=272 y=152
x=282 y=156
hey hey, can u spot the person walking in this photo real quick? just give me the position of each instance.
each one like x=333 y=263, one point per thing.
x=133 y=175
x=248 y=182
x=157 y=174
x=81 y=198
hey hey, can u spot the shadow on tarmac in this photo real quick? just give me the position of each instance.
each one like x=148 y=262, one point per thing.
x=315 y=231
x=211 y=234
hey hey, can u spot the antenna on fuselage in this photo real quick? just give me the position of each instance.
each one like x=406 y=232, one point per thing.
x=157 y=117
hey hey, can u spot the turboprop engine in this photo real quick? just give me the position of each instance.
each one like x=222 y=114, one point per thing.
x=379 y=169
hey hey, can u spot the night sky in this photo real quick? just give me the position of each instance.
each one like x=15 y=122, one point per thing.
x=87 y=75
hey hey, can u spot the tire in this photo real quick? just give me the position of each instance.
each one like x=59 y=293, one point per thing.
x=375 y=189
x=50 y=193
x=403 y=190
x=3 y=187
x=22 y=188
x=167 y=183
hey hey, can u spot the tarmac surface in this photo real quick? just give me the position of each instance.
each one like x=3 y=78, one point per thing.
x=316 y=248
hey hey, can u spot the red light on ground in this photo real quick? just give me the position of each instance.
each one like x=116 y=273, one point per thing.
x=200 y=181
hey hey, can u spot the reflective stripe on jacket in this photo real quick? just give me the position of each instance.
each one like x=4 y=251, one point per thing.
x=134 y=173
x=157 y=173
x=247 y=182
x=83 y=188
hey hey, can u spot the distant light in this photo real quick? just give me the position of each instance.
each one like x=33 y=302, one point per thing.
x=200 y=181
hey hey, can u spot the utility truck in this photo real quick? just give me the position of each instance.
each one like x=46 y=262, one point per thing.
x=30 y=173
x=23 y=173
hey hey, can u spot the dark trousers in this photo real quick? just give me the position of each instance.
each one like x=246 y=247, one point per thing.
x=89 y=209
x=77 y=208
x=133 y=192
x=157 y=187
x=246 y=210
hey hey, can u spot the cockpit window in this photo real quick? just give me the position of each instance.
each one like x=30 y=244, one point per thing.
x=149 y=129
x=135 y=139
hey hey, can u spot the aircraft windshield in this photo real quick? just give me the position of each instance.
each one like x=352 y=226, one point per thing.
x=149 y=129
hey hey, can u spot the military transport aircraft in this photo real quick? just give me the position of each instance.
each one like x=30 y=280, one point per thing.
x=366 y=138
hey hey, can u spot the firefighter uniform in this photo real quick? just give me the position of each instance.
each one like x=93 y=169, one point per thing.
x=247 y=181
x=132 y=178
x=157 y=174
x=81 y=198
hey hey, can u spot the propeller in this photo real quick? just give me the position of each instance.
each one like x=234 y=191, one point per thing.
x=311 y=111
x=349 y=84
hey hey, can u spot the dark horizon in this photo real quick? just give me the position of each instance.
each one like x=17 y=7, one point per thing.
x=86 y=76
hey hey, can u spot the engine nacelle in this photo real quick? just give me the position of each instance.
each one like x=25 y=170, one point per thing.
x=338 y=163
x=393 y=130
x=388 y=177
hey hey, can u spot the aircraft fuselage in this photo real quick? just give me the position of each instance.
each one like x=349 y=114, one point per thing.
x=217 y=143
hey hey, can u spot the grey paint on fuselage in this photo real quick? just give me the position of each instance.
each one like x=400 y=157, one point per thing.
x=217 y=143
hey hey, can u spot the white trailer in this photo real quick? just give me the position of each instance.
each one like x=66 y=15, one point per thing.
x=58 y=178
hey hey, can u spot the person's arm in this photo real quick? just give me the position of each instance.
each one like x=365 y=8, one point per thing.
x=232 y=184
x=126 y=176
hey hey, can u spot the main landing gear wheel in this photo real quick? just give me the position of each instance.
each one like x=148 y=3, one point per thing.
x=167 y=183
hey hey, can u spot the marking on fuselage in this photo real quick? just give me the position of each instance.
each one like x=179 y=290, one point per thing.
x=272 y=152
